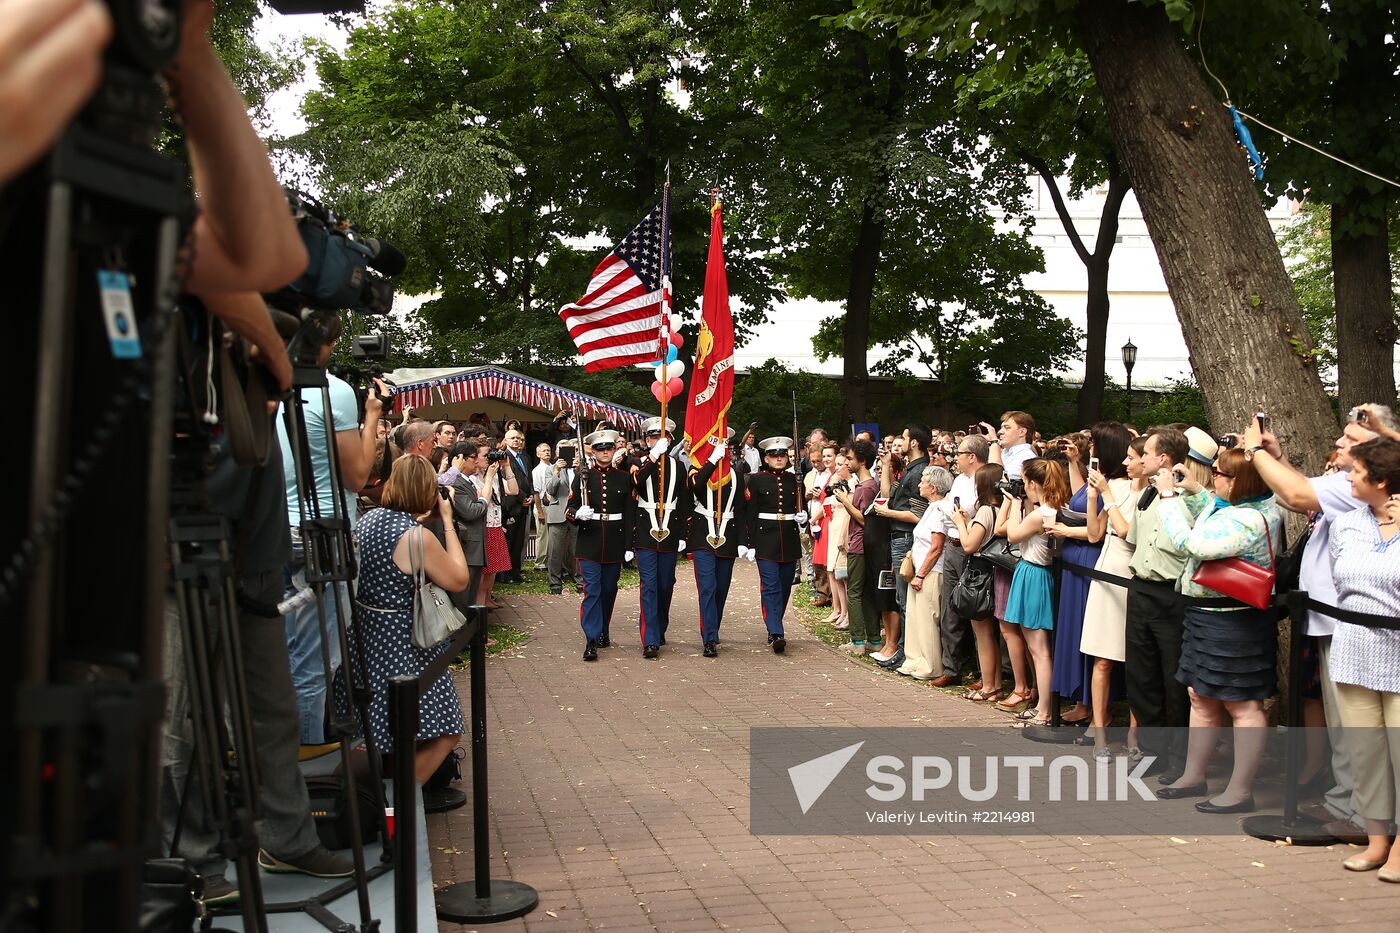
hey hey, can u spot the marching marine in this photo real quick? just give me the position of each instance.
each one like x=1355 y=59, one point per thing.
x=660 y=524
x=600 y=503
x=774 y=515
x=715 y=535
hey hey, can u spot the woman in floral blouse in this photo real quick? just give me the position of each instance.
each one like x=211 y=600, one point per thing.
x=1365 y=662
x=1228 y=656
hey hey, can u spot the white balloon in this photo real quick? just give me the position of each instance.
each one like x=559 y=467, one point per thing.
x=665 y=372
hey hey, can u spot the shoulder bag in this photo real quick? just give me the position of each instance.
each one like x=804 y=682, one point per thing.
x=1239 y=579
x=434 y=616
x=971 y=596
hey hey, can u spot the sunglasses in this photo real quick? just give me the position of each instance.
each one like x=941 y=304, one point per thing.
x=1218 y=472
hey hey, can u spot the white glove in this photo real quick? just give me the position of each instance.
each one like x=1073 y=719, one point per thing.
x=680 y=545
x=659 y=449
x=800 y=518
x=717 y=454
x=628 y=555
x=585 y=513
x=747 y=553
x=619 y=456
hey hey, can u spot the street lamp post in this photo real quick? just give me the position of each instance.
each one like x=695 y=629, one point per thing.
x=1129 y=359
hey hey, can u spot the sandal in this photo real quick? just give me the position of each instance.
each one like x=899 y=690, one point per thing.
x=1027 y=714
x=979 y=695
x=1027 y=723
x=1080 y=721
x=1013 y=701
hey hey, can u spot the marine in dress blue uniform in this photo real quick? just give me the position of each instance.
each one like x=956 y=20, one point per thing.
x=717 y=529
x=600 y=503
x=773 y=517
x=660 y=522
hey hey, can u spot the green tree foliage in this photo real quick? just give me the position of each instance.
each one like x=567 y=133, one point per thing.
x=258 y=72
x=845 y=155
x=766 y=395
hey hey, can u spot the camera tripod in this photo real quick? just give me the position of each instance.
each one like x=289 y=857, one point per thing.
x=93 y=236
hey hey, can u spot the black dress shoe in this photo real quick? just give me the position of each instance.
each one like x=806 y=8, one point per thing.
x=1244 y=806
x=1169 y=776
x=663 y=638
x=651 y=651
x=710 y=650
x=590 y=650
x=604 y=641
x=778 y=642
x=1177 y=793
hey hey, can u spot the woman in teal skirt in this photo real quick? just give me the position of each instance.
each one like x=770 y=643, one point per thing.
x=1030 y=613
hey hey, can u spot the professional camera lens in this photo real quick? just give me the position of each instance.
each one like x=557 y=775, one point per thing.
x=1228 y=441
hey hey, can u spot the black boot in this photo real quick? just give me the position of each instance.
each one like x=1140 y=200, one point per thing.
x=651 y=651
x=710 y=650
x=590 y=650
x=778 y=642
x=604 y=641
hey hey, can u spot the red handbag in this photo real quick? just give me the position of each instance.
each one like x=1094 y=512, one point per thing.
x=1239 y=579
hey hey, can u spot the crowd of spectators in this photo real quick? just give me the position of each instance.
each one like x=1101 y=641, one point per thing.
x=898 y=525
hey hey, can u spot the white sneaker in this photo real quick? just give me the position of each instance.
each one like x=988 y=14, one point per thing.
x=880 y=656
x=851 y=647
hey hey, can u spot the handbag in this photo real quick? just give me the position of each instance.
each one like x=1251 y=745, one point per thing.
x=330 y=809
x=1000 y=553
x=906 y=568
x=1239 y=579
x=434 y=616
x=971 y=595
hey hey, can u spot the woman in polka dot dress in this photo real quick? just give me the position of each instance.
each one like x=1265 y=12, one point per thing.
x=390 y=542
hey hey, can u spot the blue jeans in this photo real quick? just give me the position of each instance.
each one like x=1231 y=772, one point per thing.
x=900 y=545
x=304 y=650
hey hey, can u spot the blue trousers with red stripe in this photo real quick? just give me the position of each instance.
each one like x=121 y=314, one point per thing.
x=658 y=572
x=774 y=585
x=712 y=576
x=599 y=595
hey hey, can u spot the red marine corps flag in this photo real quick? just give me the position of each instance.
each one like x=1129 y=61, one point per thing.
x=712 y=376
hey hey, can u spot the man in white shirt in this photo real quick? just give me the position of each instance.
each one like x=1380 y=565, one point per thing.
x=1011 y=447
x=539 y=477
x=955 y=632
x=1330 y=497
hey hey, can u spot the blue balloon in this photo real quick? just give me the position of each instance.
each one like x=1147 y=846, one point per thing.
x=672 y=353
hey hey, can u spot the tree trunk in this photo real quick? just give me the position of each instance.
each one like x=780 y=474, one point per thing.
x=1096 y=304
x=1222 y=265
x=864 y=259
x=1095 y=341
x=1365 y=318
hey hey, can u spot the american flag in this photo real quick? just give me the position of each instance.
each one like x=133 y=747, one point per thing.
x=620 y=319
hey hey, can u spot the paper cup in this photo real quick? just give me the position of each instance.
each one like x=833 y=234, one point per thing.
x=1047 y=513
x=882 y=501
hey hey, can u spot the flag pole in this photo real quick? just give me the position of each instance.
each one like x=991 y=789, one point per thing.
x=665 y=337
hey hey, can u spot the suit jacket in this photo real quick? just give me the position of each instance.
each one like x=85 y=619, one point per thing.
x=556 y=496
x=512 y=506
x=469 y=513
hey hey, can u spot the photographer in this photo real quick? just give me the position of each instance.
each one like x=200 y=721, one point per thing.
x=355 y=447
x=563 y=534
x=50 y=63
x=1010 y=446
x=469 y=512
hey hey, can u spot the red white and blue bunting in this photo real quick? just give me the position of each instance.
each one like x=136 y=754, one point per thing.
x=490 y=382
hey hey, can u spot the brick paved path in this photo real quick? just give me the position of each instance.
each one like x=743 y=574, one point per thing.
x=619 y=790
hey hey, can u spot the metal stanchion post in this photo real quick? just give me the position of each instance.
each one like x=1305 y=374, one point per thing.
x=1290 y=825
x=482 y=900
x=403 y=713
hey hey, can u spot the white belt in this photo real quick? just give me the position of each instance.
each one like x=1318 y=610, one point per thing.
x=775 y=516
x=377 y=609
x=608 y=516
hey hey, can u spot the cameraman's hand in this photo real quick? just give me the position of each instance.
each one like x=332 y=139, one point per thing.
x=278 y=365
x=559 y=466
x=445 y=510
x=50 y=63
x=1096 y=481
x=1164 y=481
x=1189 y=484
x=376 y=398
x=1373 y=423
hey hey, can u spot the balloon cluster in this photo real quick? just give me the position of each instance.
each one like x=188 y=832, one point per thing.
x=669 y=370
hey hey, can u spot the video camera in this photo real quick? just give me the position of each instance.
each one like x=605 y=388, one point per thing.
x=338 y=274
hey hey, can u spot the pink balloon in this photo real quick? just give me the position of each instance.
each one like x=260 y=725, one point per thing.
x=673 y=388
x=656 y=390
x=676 y=339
